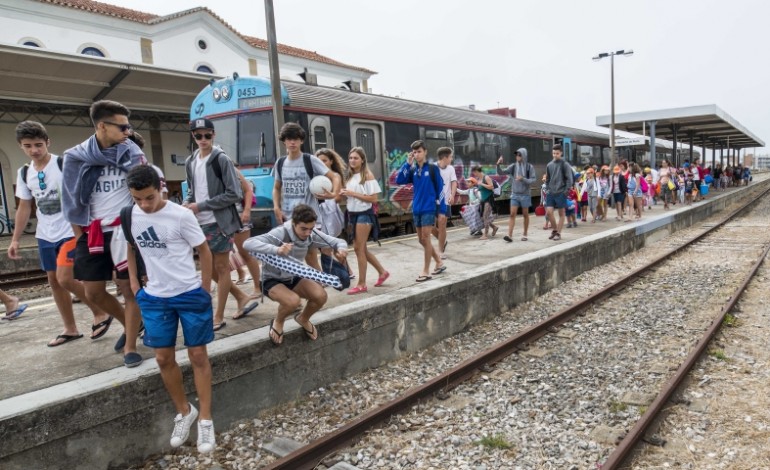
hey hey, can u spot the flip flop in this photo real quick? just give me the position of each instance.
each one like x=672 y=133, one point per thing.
x=103 y=324
x=246 y=310
x=439 y=270
x=66 y=338
x=279 y=334
x=311 y=334
x=423 y=279
x=523 y=239
x=219 y=326
x=14 y=314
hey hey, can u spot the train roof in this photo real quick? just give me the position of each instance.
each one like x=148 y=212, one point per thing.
x=327 y=99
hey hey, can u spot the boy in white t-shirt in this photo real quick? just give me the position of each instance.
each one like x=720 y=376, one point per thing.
x=41 y=181
x=449 y=176
x=165 y=235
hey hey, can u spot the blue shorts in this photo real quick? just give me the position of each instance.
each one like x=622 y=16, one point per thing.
x=424 y=220
x=48 y=252
x=446 y=212
x=162 y=315
x=522 y=200
x=557 y=201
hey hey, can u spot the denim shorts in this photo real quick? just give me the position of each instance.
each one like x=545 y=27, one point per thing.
x=521 y=200
x=557 y=201
x=49 y=251
x=424 y=220
x=161 y=316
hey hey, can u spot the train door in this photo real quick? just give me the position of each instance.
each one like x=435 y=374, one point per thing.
x=566 y=149
x=320 y=132
x=369 y=136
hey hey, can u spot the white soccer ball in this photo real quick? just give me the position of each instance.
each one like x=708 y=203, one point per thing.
x=320 y=184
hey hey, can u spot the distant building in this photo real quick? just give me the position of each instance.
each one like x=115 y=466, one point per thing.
x=58 y=56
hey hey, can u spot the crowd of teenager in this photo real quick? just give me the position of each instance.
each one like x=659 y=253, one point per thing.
x=104 y=216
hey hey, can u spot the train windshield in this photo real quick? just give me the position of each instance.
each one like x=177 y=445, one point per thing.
x=242 y=137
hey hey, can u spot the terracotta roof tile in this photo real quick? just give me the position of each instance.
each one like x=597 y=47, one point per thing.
x=148 y=18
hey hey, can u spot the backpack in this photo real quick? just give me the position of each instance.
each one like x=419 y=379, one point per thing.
x=643 y=184
x=125 y=224
x=25 y=168
x=496 y=189
x=305 y=160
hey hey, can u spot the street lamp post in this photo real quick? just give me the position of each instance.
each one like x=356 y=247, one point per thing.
x=612 y=55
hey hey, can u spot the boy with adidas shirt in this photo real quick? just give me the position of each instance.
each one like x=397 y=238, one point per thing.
x=165 y=235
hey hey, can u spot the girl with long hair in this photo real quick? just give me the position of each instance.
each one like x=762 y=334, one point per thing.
x=332 y=218
x=361 y=191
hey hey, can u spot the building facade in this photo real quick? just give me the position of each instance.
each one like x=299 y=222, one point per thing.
x=48 y=41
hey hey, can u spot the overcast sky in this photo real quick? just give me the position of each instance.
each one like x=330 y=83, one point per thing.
x=533 y=55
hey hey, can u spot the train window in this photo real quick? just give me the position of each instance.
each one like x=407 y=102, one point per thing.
x=226 y=136
x=365 y=139
x=319 y=138
x=434 y=140
x=92 y=51
x=546 y=145
x=251 y=128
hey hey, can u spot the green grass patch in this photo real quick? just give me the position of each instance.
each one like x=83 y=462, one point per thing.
x=730 y=320
x=718 y=354
x=495 y=442
x=617 y=406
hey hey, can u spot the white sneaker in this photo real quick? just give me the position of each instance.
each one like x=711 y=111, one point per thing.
x=182 y=427
x=206 y=438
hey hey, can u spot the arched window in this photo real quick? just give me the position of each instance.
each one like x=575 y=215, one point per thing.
x=30 y=42
x=92 y=51
x=204 y=69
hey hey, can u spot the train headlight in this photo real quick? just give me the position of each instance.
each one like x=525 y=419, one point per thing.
x=215 y=94
x=225 y=93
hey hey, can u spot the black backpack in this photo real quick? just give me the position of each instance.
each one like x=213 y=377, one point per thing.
x=25 y=168
x=125 y=224
x=305 y=160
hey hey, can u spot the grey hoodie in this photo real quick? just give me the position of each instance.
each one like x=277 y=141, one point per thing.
x=523 y=169
x=284 y=233
x=224 y=194
x=559 y=176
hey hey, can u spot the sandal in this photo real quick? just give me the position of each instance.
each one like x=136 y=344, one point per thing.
x=423 y=279
x=66 y=338
x=381 y=280
x=279 y=334
x=524 y=238
x=357 y=290
x=103 y=324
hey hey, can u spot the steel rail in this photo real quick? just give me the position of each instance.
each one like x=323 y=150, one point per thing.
x=23 y=279
x=310 y=455
x=616 y=458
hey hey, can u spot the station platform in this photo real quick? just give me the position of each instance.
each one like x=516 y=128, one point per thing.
x=76 y=406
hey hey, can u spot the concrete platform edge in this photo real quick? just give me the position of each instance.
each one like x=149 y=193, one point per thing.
x=119 y=417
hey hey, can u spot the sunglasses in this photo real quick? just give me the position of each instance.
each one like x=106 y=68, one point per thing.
x=41 y=180
x=203 y=136
x=122 y=127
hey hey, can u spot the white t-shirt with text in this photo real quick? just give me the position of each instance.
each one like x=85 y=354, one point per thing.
x=109 y=196
x=295 y=183
x=165 y=240
x=51 y=225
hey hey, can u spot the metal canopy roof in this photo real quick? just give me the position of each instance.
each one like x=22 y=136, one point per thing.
x=701 y=121
x=38 y=75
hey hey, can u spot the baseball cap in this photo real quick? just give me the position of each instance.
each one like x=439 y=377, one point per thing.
x=201 y=124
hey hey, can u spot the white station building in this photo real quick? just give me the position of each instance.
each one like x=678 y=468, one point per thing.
x=59 y=56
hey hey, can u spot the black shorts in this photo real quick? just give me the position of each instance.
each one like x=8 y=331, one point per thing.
x=268 y=284
x=95 y=267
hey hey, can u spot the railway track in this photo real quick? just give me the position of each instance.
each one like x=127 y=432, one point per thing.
x=23 y=279
x=309 y=456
